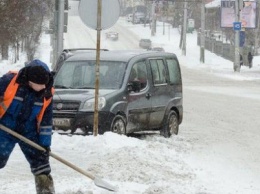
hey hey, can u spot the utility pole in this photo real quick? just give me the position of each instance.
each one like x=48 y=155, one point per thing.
x=257 y=31
x=202 y=33
x=133 y=11
x=237 y=53
x=60 y=27
x=184 y=29
x=153 y=19
x=99 y=12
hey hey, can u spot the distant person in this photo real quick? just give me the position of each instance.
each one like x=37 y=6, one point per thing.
x=26 y=108
x=241 y=60
x=250 y=59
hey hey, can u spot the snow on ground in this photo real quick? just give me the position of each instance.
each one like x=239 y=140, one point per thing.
x=146 y=165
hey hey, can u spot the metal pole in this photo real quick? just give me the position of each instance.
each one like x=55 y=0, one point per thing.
x=169 y=33
x=257 y=30
x=237 y=54
x=99 y=9
x=153 y=19
x=202 y=33
x=60 y=27
x=133 y=11
x=184 y=29
x=163 y=27
x=55 y=43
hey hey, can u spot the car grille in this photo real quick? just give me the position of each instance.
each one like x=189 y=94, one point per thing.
x=66 y=106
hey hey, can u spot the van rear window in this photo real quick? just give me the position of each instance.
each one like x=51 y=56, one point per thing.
x=174 y=71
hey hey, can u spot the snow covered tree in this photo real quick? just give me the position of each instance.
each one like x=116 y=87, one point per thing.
x=21 y=20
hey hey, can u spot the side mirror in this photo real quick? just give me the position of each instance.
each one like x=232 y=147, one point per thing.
x=134 y=86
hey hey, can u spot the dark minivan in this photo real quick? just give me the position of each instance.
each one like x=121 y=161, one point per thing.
x=138 y=90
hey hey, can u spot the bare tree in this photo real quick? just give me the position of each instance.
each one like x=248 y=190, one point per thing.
x=21 y=20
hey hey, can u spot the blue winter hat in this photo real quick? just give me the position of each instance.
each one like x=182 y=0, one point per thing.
x=37 y=62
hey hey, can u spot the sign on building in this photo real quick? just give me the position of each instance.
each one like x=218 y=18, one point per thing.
x=247 y=14
x=191 y=25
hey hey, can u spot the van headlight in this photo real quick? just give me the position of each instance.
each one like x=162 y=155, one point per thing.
x=89 y=105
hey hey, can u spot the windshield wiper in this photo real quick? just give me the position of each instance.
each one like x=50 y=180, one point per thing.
x=61 y=86
x=85 y=87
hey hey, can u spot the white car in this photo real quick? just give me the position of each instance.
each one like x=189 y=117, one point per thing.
x=112 y=35
x=129 y=17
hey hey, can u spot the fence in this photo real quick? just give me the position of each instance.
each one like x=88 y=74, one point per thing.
x=224 y=50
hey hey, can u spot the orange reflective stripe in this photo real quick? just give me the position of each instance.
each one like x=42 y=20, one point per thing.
x=45 y=105
x=8 y=96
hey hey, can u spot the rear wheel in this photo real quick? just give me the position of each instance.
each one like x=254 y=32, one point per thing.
x=73 y=130
x=119 y=125
x=171 y=125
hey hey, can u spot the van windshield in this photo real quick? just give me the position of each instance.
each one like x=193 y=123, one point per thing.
x=81 y=75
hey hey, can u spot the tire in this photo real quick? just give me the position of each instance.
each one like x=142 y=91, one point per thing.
x=73 y=130
x=119 y=125
x=171 y=126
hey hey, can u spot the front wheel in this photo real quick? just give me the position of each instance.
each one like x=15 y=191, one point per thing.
x=171 y=126
x=119 y=125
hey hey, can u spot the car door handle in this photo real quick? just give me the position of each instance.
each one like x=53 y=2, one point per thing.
x=148 y=95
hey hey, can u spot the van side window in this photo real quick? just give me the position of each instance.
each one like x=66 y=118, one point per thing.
x=174 y=71
x=158 y=71
x=139 y=72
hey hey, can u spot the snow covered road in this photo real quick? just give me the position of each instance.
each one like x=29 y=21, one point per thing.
x=216 y=151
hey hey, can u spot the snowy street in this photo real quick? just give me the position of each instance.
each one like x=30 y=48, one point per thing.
x=221 y=121
x=217 y=150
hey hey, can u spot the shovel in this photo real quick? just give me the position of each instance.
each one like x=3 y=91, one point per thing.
x=98 y=182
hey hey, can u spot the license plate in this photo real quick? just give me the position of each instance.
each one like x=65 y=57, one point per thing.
x=61 y=122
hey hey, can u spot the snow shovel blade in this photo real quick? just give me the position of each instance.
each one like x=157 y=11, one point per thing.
x=103 y=184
